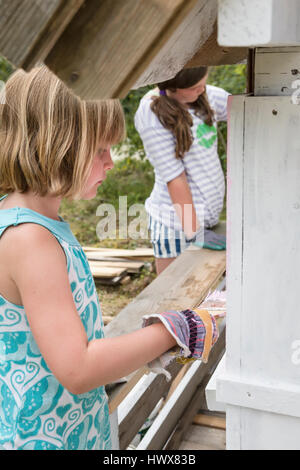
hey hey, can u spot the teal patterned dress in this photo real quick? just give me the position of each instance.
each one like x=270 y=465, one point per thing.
x=36 y=411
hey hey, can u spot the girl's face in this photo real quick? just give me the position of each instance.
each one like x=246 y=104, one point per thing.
x=191 y=94
x=102 y=162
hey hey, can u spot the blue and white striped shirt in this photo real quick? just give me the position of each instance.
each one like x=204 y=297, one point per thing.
x=201 y=163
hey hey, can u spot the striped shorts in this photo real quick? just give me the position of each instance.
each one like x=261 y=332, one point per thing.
x=167 y=242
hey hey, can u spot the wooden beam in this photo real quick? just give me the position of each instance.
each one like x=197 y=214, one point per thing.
x=271 y=23
x=210 y=420
x=138 y=405
x=184 y=284
x=194 y=381
x=29 y=29
x=107 y=46
x=211 y=53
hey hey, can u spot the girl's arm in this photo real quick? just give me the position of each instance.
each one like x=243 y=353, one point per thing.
x=181 y=196
x=38 y=268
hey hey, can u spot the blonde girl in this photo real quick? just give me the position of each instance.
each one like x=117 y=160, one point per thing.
x=54 y=359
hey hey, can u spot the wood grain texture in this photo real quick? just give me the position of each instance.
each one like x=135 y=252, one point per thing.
x=192 y=384
x=30 y=28
x=203 y=438
x=184 y=284
x=210 y=421
x=211 y=53
x=106 y=45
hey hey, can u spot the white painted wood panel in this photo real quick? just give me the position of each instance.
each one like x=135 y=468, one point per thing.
x=234 y=252
x=262 y=377
x=210 y=392
x=258 y=23
x=277 y=71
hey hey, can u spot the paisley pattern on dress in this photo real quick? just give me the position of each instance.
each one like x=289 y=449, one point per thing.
x=36 y=411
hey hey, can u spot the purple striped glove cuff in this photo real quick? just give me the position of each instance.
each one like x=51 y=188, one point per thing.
x=195 y=331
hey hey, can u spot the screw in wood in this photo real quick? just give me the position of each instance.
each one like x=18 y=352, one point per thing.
x=274 y=112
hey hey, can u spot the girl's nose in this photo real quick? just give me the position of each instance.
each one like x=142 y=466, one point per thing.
x=109 y=164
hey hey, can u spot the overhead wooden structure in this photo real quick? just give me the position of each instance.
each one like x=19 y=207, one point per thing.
x=104 y=49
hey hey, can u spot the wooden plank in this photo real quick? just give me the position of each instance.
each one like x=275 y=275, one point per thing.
x=29 y=29
x=194 y=380
x=203 y=438
x=185 y=283
x=196 y=272
x=97 y=54
x=51 y=33
x=210 y=421
x=106 y=272
x=110 y=281
x=129 y=266
x=117 y=400
x=141 y=401
x=211 y=53
x=188 y=36
x=119 y=252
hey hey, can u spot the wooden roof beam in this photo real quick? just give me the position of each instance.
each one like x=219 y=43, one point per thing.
x=29 y=29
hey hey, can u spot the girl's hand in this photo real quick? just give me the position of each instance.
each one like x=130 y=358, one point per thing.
x=212 y=241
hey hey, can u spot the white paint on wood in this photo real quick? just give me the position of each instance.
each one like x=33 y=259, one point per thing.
x=134 y=395
x=210 y=392
x=258 y=23
x=114 y=430
x=276 y=71
x=274 y=398
x=179 y=399
x=263 y=256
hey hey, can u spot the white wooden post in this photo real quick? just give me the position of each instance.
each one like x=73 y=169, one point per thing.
x=261 y=384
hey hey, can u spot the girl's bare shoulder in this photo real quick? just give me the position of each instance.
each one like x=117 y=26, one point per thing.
x=27 y=239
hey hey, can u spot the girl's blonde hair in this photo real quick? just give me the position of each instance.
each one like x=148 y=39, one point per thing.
x=49 y=136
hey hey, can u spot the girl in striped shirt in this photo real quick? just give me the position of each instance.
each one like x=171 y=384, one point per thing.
x=177 y=123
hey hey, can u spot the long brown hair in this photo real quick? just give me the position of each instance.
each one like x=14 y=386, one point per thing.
x=175 y=117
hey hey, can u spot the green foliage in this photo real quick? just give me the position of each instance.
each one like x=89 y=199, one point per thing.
x=5 y=69
x=134 y=179
x=230 y=77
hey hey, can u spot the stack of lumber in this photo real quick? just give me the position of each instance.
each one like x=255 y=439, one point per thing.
x=114 y=266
